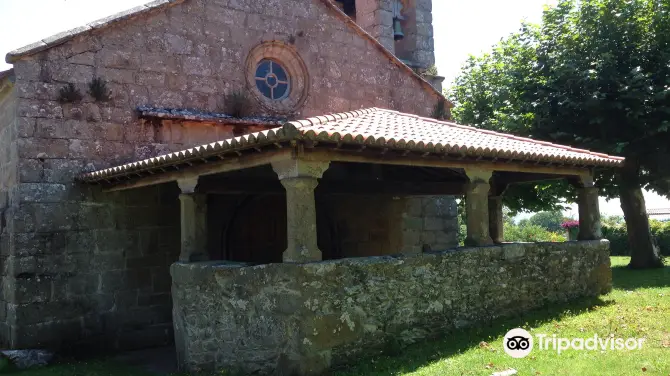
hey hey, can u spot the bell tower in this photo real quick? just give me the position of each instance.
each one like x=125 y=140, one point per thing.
x=404 y=27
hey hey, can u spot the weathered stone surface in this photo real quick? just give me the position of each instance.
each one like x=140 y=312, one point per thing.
x=590 y=227
x=23 y=359
x=65 y=246
x=305 y=318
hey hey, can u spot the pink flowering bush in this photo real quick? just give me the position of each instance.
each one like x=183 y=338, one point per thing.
x=572 y=228
x=567 y=225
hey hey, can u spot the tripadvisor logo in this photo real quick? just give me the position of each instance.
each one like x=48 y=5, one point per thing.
x=518 y=343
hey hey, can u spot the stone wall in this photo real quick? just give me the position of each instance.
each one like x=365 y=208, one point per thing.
x=305 y=318
x=8 y=181
x=418 y=46
x=430 y=223
x=83 y=267
x=385 y=225
x=90 y=270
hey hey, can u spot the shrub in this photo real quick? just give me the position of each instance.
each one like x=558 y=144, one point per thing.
x=551 y=220
x=618 y=236
x=531 y=233
x=237 y=104
x=69 y=94
x=99 y=91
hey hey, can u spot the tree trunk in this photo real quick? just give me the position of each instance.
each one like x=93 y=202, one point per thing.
x=643 y=249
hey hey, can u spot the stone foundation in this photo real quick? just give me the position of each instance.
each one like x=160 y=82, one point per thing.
x=306 y=318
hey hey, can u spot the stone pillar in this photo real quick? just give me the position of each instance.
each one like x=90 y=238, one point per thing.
x=589 y=212
x=193 y=222
x=300 y=178
x=477 y=207
x=590 y=227
x=496 y=219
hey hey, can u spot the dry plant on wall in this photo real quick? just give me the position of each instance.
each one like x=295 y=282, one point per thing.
x=69 y=94
x=431 y=71
x=237 y=104
x=99 y=91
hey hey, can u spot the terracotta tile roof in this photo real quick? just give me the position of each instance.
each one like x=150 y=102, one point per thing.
x=394 y=129
x=374 y=127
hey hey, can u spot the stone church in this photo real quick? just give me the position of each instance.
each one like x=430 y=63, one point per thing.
x=192 y=147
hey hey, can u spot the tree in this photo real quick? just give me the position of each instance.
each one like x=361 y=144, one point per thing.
x=490 y=93
x=549 y=220
x=594 y=75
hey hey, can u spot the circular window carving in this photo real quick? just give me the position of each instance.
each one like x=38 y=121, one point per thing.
x=272 y=80
x=278 y=77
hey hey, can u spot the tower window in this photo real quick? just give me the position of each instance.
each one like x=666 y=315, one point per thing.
x=348 y=7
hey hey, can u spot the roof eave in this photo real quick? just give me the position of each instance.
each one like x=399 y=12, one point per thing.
x=60 y=38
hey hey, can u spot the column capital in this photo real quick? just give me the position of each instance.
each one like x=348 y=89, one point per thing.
x=297 y=168
x=479 y=187
x=586 y=180
x=478 y=175
x=187 y=185
x=583 y=180
x=300 y=183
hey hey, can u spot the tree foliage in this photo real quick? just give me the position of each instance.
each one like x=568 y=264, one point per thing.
x=594 y=75
x=549 y=220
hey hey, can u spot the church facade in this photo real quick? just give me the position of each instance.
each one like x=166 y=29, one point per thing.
x=86 y=268
x=267 y=185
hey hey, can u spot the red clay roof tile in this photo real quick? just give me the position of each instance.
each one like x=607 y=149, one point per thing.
x=385 y=129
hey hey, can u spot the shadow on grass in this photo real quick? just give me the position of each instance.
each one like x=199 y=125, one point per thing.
x=632 y=279
x=422 y=354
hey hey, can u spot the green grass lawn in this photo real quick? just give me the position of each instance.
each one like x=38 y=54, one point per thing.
x=638 y=307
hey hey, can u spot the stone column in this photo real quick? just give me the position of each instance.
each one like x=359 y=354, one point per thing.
x=299 y=179
x=477 y=207
x=496 y=219
x=590 y=227
x=193 y=222
x=376 y=17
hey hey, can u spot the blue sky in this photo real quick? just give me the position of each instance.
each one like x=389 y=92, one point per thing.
x=461 y=28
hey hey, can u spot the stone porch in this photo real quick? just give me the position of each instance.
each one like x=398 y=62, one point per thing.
x=300 y=301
